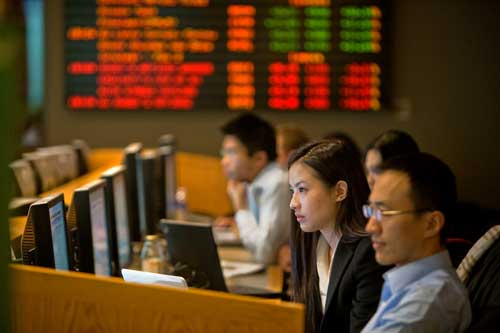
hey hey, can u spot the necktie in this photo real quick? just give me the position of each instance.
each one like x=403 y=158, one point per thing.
x=253 y=194
x=386 y=292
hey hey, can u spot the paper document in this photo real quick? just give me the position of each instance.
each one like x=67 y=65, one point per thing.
x=235 y=268
x=225 y=236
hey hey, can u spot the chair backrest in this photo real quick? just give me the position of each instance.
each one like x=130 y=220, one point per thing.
x=458 y=248
x=480 y=271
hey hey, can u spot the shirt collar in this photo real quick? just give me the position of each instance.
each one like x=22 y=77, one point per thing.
x=399 y=277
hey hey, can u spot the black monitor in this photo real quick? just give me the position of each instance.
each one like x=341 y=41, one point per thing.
x=83 y=153
x=193 y=245
x=193 y=253
x=168 y=179
x=88 y=224
x=130 y=156
x=25 y=182
x=44 y=241
x=149 y=188
x=116 y=198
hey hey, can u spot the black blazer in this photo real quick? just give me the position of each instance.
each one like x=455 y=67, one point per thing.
x=354 y=288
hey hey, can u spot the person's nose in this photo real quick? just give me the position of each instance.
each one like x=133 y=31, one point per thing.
x=372 y=226
x=224 y=161
x=294 y=203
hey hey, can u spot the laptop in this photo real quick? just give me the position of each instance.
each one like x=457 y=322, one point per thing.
x=130 y=275
x=193 y=253
x=222 y=235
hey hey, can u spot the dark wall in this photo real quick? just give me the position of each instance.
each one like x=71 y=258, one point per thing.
x=446 y=85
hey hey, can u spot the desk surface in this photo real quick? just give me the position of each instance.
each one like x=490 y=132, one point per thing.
x=271 y=278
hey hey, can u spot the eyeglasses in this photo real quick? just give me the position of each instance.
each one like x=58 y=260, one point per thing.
x=229 y=152
x=378 y=214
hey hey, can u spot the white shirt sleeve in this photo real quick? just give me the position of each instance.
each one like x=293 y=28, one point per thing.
x=273 y=230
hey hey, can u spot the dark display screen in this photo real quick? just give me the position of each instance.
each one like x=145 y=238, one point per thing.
x=200 y=55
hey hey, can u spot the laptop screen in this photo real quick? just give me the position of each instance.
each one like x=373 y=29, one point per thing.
x=193 y=251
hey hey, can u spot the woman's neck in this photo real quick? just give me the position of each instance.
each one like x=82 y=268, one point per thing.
x=331 y=236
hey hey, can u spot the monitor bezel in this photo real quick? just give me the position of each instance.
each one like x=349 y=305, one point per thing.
x=81 y=198
x=193 y=244
x=130 y=154
x=43 y=253
x=109 y=177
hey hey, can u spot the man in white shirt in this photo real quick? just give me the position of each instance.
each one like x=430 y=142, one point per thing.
x=257 y=186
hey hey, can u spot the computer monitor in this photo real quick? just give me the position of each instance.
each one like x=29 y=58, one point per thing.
x=25 y=182
x=88 y=224
x=168 y=179
x=44 y=241
x=53 y=166
x=130 y=155
x=83 y=153
x=149 y=188
x=45 y=171
x=193 y=245
x=67 y=160
x=116 y=198
x=193 y=253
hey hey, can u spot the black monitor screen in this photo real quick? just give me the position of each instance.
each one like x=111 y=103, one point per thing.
x=100 y=233
x=121 y=219
x=59 y=240
x=169 y=173
x=44 y=241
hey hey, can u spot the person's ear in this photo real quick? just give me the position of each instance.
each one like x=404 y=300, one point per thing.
x=435 y=222
x=340 y=189
x=260 y=158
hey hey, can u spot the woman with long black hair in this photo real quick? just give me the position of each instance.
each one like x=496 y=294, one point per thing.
x=334 y=272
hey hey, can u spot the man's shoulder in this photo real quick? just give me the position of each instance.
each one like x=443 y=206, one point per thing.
x=273 y=176
x=440 y=287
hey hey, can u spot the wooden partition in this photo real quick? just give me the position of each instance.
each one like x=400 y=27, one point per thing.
x=45 y=300
x=205 y=183
x=104 y=157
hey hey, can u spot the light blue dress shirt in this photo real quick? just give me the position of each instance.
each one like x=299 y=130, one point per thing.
x=265 y=225
x=422 y=296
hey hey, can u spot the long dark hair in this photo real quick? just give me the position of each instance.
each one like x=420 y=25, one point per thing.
x=332 y=161
x=393 y=143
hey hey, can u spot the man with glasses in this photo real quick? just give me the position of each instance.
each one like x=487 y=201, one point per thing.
x=257 y=186
x=408 y=210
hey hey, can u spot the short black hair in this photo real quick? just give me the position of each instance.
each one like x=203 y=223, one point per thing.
x=433 y=184
x=393 y=143
x=254 y=133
